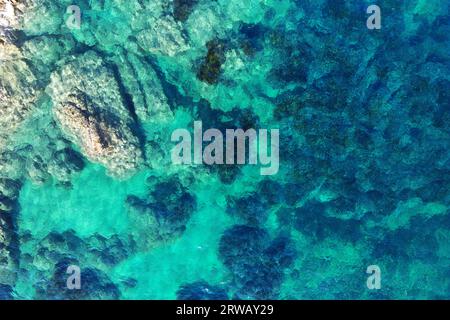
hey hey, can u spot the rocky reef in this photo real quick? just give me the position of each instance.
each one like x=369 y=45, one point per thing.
x=9 y=244
x=90 y=111
x=18 y=91
x=201 y=290
x=256 y=262
x=163 y=216
x=57 y=251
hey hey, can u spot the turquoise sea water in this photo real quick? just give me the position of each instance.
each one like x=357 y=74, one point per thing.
x=160 y=271
x=364 y=178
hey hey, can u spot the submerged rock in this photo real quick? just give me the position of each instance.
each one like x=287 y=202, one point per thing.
x=10 y=10
x=64 y=163
x=40 y=17
x=90 y=111
x=163 y=216
x=101 y=137
x=183 y=8
x=96 y=251
x=211 y=67
x=94 y=255
x=9 y=188
x=43 y=52
x=11 y=165
x=201 y=290
x=5 y=292
x=18 y=91
x=164 y=37
x=95 y=285
x=139 y=77
x=256 y=262
x=8 y=243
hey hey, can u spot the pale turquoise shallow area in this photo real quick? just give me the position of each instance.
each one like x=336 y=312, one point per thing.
x=53 y=207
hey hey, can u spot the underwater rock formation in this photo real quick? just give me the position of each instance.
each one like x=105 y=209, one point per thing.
x=90 y=111
x=201 y=290
x=210 y=69
x=139 y=77
x=12 y=11
x=252 y=209
x=95 y=255
x=17 y=95
x=9 y=188
x=8 y=254
x=164 y=37
x=101 y=137
x=182 y=9
x=9 y=250
x=43 y=52
x=233 y=119
x=95 y=286
x=64 y=163
x=103 y=251
x=163 y=216
x=18 y=91
x=256 y=261
x=5 y=292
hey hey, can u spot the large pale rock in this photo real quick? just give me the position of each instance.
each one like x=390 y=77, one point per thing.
x=102 y=137
x=90 y=111
x=10 y=12
x=18 y=85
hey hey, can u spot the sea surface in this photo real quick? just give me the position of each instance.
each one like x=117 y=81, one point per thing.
x=364 y=170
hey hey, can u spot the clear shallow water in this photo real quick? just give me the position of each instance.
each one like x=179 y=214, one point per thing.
x=364 y=146
x=51 y=209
